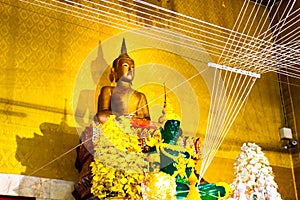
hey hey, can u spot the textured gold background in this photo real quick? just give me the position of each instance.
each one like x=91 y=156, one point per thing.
x=41 y=54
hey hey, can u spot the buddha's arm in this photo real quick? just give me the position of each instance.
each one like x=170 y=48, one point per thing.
x=143 y=110
x=104 y=106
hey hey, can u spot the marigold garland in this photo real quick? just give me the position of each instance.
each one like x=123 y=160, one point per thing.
x=120 y=134
x=111 y=182
x=119 y=162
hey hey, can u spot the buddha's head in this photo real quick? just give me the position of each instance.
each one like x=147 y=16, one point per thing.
x=123 y=66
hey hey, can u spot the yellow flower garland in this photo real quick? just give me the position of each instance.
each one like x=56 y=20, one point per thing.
x=119 y=162
x=111 y=182
x=120 y=134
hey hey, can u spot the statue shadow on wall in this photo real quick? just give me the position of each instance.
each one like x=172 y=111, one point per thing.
x=52 y=154
x=85 y=107
x=47 y=156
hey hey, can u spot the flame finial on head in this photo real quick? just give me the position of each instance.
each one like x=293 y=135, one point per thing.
x=123 y=48
x=123 y=54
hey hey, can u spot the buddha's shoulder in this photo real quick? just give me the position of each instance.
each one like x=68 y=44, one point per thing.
x=106 y=89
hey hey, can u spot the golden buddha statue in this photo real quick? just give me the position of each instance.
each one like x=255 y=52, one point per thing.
x=122 y=99
x=113 y=100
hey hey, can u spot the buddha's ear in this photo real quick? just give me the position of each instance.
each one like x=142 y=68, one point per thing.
x=112 y=75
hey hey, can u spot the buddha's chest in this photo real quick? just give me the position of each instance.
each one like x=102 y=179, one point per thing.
x=124 y=101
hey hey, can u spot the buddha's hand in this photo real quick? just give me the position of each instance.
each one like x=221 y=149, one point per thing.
x=102 y=118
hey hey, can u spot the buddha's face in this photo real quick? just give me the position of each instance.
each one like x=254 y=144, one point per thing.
x=125 y=70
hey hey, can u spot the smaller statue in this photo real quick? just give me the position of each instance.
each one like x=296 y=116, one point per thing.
x=180 y=162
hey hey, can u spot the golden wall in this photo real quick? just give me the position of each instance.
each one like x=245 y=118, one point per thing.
x=53 y=66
